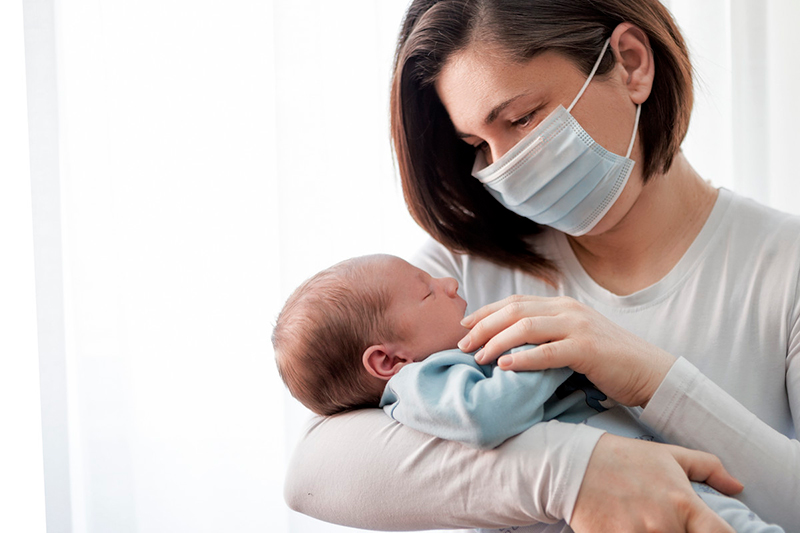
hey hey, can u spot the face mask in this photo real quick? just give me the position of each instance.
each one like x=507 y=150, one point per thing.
x=557 y=175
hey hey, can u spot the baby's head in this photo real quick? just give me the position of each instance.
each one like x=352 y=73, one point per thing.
x=343 y=333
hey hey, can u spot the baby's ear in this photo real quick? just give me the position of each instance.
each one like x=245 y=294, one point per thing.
x=383 y=362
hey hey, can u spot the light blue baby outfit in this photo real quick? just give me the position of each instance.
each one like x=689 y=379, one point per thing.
x=450 y=396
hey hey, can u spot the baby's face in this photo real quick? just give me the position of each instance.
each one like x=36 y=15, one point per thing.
x=427 y=311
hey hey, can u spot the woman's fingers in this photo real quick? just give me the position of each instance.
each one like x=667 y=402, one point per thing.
x=569 y=334
x=702 y=519
x=706 y=468
x=475 y=317
x=494 y=318
x=558 y=354
x=527 y=330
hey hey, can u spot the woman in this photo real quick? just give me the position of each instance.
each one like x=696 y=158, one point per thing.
x=510 y=121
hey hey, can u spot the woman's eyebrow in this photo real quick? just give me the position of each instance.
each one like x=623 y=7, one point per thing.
x=493 y=114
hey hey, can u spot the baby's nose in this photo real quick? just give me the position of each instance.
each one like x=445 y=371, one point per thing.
x=450 y=287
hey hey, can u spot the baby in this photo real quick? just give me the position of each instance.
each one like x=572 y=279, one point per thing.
x=376 y=331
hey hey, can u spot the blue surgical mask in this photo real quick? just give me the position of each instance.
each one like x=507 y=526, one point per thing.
x=557 y=175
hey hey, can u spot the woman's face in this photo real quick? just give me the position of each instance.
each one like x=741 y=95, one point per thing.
x=494 y=102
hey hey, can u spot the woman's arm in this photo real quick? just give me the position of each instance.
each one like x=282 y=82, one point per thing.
x=690 y=410
x=681 y=404
x=362 y=469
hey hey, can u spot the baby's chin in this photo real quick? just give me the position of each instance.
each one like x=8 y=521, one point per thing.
x=459 y=333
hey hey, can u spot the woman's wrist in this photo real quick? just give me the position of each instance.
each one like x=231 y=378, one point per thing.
x=659 y=366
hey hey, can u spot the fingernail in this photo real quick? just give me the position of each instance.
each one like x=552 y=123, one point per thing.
x=466 y=321
x=463 y=344
x=479 y=357
x=506 y=360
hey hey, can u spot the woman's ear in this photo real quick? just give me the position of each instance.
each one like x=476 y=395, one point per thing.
x=383 y=362
x=635 y=58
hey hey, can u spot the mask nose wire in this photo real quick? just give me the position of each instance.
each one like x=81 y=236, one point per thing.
x=591 y=74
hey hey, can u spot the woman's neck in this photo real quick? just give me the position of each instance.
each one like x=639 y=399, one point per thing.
x=654 y=234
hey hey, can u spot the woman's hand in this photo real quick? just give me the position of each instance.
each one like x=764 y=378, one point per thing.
x=569 y=334
x=639 y=486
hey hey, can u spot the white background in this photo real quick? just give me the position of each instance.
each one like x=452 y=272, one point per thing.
x=190 y=164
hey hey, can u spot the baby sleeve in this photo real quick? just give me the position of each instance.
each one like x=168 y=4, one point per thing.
x=449 y=395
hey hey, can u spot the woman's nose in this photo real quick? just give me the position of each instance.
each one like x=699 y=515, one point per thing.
x=496 y=150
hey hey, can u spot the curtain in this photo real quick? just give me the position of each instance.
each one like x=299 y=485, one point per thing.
x=192 y=162
x=22 y=497
x=747 y=65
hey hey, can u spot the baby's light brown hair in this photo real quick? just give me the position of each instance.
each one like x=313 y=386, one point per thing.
x=322 y=332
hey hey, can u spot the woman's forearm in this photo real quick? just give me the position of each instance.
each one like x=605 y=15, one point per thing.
x=364 y=470
x=690 y=410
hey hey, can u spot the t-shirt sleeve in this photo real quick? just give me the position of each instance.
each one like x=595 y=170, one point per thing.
x=449 y=395
x=363 y=469
x=690 y=410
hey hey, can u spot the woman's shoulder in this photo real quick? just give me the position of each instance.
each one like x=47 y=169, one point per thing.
x=758 y=247
x=749 y=210
x=760 y=228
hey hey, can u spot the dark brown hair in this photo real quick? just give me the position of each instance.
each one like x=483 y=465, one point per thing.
x=435 y=166
x=323 y=330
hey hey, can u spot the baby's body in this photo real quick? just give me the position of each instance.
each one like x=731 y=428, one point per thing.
x=411 y=367
x=453 y=397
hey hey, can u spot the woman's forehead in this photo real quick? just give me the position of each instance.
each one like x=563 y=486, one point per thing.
x=474 y=83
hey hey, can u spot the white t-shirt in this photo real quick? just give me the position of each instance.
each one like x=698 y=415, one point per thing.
x=730 y=310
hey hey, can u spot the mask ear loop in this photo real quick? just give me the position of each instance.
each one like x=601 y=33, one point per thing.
x=591 y=75
x=586 y=84
x=635 y=129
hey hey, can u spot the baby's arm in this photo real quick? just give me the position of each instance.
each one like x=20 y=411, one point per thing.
x=450 y=396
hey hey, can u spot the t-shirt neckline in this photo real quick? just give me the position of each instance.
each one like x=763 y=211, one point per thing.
x=572 y=268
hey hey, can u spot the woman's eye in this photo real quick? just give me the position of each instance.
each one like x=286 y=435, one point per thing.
x=524 y=121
